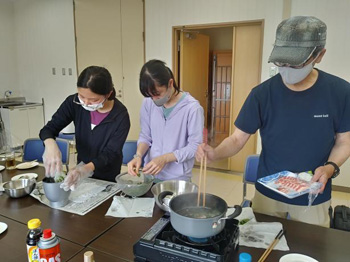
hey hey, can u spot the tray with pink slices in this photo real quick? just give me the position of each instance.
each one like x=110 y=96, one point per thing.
x=290 y=184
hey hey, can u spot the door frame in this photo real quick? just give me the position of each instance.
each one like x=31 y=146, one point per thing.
x=175 y=58
x=176 y=36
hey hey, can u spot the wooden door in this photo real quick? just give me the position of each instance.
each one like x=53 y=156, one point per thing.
x=247 y=43
x=109 y=33
x=194 y=66
x=221 y=97
x=98 y=37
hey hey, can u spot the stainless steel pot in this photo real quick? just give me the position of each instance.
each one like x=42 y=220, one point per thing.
x=165 y=190
x=199 y=222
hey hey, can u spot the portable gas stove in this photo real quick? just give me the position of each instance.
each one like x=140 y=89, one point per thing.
x=162 y=243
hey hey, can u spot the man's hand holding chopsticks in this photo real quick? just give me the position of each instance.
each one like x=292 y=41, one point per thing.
x=205 y=149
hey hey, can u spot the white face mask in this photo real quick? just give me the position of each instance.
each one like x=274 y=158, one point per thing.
x=92 y=107
x=163 y=100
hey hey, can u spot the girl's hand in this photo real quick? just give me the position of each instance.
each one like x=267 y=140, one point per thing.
x=156 y=165
x=134 y=166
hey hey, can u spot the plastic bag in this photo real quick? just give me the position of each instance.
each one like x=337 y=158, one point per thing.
x=292 y=185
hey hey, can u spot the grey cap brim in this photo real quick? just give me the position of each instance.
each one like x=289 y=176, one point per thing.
x=290 y=54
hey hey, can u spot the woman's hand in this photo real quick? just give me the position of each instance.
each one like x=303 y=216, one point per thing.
x=52 y=158
x=157 y=164
x=76 y=175
x=134 y=166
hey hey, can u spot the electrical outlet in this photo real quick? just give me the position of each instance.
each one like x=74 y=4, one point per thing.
x=54 y=71
x=70 y=71
x=63 y=71
x=273 y=71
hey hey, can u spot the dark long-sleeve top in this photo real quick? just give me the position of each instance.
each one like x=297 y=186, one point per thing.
x=103 y=145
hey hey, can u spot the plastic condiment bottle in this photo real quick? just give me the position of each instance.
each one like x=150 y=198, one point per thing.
x=245 y=257
x=89 y=256
x=33 y=237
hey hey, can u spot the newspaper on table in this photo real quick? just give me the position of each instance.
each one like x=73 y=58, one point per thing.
x=259 y=234
x=290 y=184
x=88 y=195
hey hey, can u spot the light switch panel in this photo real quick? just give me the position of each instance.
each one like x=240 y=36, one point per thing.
x=273 y=71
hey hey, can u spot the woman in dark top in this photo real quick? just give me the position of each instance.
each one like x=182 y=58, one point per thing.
x=101 y=127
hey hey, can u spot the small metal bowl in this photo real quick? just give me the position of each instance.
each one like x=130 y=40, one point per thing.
x=134 y=186
x=173 y=188
x=19 y=188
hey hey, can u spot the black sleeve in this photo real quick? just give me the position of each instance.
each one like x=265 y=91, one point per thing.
x=113 y=149
x=63 y=117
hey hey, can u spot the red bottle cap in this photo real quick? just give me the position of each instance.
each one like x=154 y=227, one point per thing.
x=47 y=233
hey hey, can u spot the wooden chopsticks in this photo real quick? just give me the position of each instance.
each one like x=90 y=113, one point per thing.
x=272 y=245
x=202 y=171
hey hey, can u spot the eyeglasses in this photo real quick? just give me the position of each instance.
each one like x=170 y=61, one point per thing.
x=300 y=65
x=83 y=104
x=289 y=65
x=76 y=102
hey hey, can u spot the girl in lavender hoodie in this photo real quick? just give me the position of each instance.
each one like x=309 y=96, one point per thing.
x=171 y=126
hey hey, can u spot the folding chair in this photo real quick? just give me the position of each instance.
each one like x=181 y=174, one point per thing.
x=33 y=149
x=249 y=176
x=129 y=150
x=68 y=136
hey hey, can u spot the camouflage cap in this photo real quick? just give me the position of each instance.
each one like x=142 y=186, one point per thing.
x=296 y=39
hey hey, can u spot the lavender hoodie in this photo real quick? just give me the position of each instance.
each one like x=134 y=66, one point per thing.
x=180 y=133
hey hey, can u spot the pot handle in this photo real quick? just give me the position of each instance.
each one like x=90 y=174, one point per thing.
x=162 y=195
x=237 y=212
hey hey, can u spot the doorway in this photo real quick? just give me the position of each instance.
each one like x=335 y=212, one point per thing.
x=219 y=65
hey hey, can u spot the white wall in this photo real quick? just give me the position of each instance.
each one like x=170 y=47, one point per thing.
x=189 y=12
x=7 y=49
x=336 y=16
x=44 y=36
x=219 y=38
x=162 y=15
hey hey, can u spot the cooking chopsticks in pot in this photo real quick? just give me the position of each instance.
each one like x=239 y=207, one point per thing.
x=200 y=182
x=202 y=171
x=272 y=245
x=204 y=179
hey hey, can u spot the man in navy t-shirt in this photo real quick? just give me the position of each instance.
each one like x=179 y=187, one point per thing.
x=303 y=115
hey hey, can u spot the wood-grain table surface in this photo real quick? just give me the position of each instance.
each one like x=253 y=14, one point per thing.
x=112 y=239
x=78 y=229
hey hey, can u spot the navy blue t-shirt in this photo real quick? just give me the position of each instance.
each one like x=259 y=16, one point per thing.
x=297 y=128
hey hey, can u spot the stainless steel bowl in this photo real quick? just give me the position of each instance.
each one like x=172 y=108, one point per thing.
x=133 y=185
x=174 y=187
x=19 y=188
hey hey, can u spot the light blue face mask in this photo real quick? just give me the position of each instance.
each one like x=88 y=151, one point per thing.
x=163 y=100
x=293 y=76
